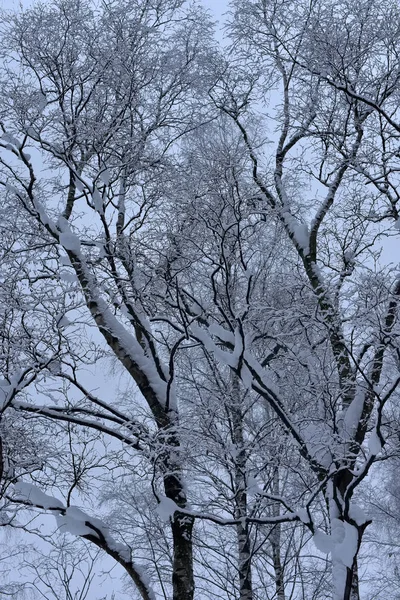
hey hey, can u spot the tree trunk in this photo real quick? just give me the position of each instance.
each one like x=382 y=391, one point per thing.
x=182 y=575
x=181 y=526
x=275 y=540
x=242 y=528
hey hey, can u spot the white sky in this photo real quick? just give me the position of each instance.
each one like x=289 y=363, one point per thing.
x=218 y=7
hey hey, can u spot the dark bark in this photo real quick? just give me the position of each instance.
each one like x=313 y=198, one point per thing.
x=182 y=574
x=242 y=529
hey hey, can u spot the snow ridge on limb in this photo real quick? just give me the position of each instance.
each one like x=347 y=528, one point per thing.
x=260 y=384
x=71 y=519
x=128 y=350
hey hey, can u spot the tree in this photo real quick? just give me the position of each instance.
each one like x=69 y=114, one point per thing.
x=101 y=96
x=226 y=257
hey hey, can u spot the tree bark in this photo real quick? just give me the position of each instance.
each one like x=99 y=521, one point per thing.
x=242 y=528
x=275 y=540
x=182 y=574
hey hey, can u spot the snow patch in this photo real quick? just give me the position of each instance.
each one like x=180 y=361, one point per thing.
x=374 y=444
x=357 y=514
x=62 y=321
x=353 y=413
x=303 y=515
x=70 y=241
x=323 y=542
x=302 y=237
x=67 y=524
x=10 y=139
x=342 y=543
x=166 y=509
x=35 y=496
x=97 y=201
x=316 y=435
x=67 y=276
x=78 y=184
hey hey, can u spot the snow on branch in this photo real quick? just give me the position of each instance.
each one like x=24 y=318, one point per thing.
x=71 y=519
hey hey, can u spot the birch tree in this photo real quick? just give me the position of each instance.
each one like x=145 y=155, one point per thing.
x=101 y=96
x=336 y=71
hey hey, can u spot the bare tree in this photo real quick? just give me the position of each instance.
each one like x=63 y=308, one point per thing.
x=213 y=224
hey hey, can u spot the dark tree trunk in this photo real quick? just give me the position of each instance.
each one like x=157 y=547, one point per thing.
x=182 y=575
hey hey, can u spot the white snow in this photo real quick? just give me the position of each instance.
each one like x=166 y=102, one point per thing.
x=42 y=103
x=246 y=377
x=33 y=133
x=323 y=542
x=12 y=189
x=7 y=137
x=346 y=549
x=357 y=514
x=70 y=241
x=342 y=543
x=374 y=443
x=302 y=236
x=34 y=495
x=67 y=276
x=64 y=261
x=67 y=524
x=253 y=487
x=62 y=321
x=303 y=515
x=353 y=413
x=97 y=201
x=166 y=508
x=79 y=185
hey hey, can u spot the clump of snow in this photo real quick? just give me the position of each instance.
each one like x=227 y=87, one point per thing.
x=12 y=189
x=35 y=496
x=62 y=321
x=303 y=515
x=67 y=276
x=42 y=102
x=374 y=443
x=141 y=571
x=70 y=241
x=357 y=514
x=166 y=508
x=353 y=413
x=64 y=261
x=246 y=377
x=323 y=541
x=302 y=236
x=342 y=543
x=68 y=524
x=78 y=184
x=33 y=133
x=97 y=201
x=55 y=367
x=316 y=435
x=7 y=137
